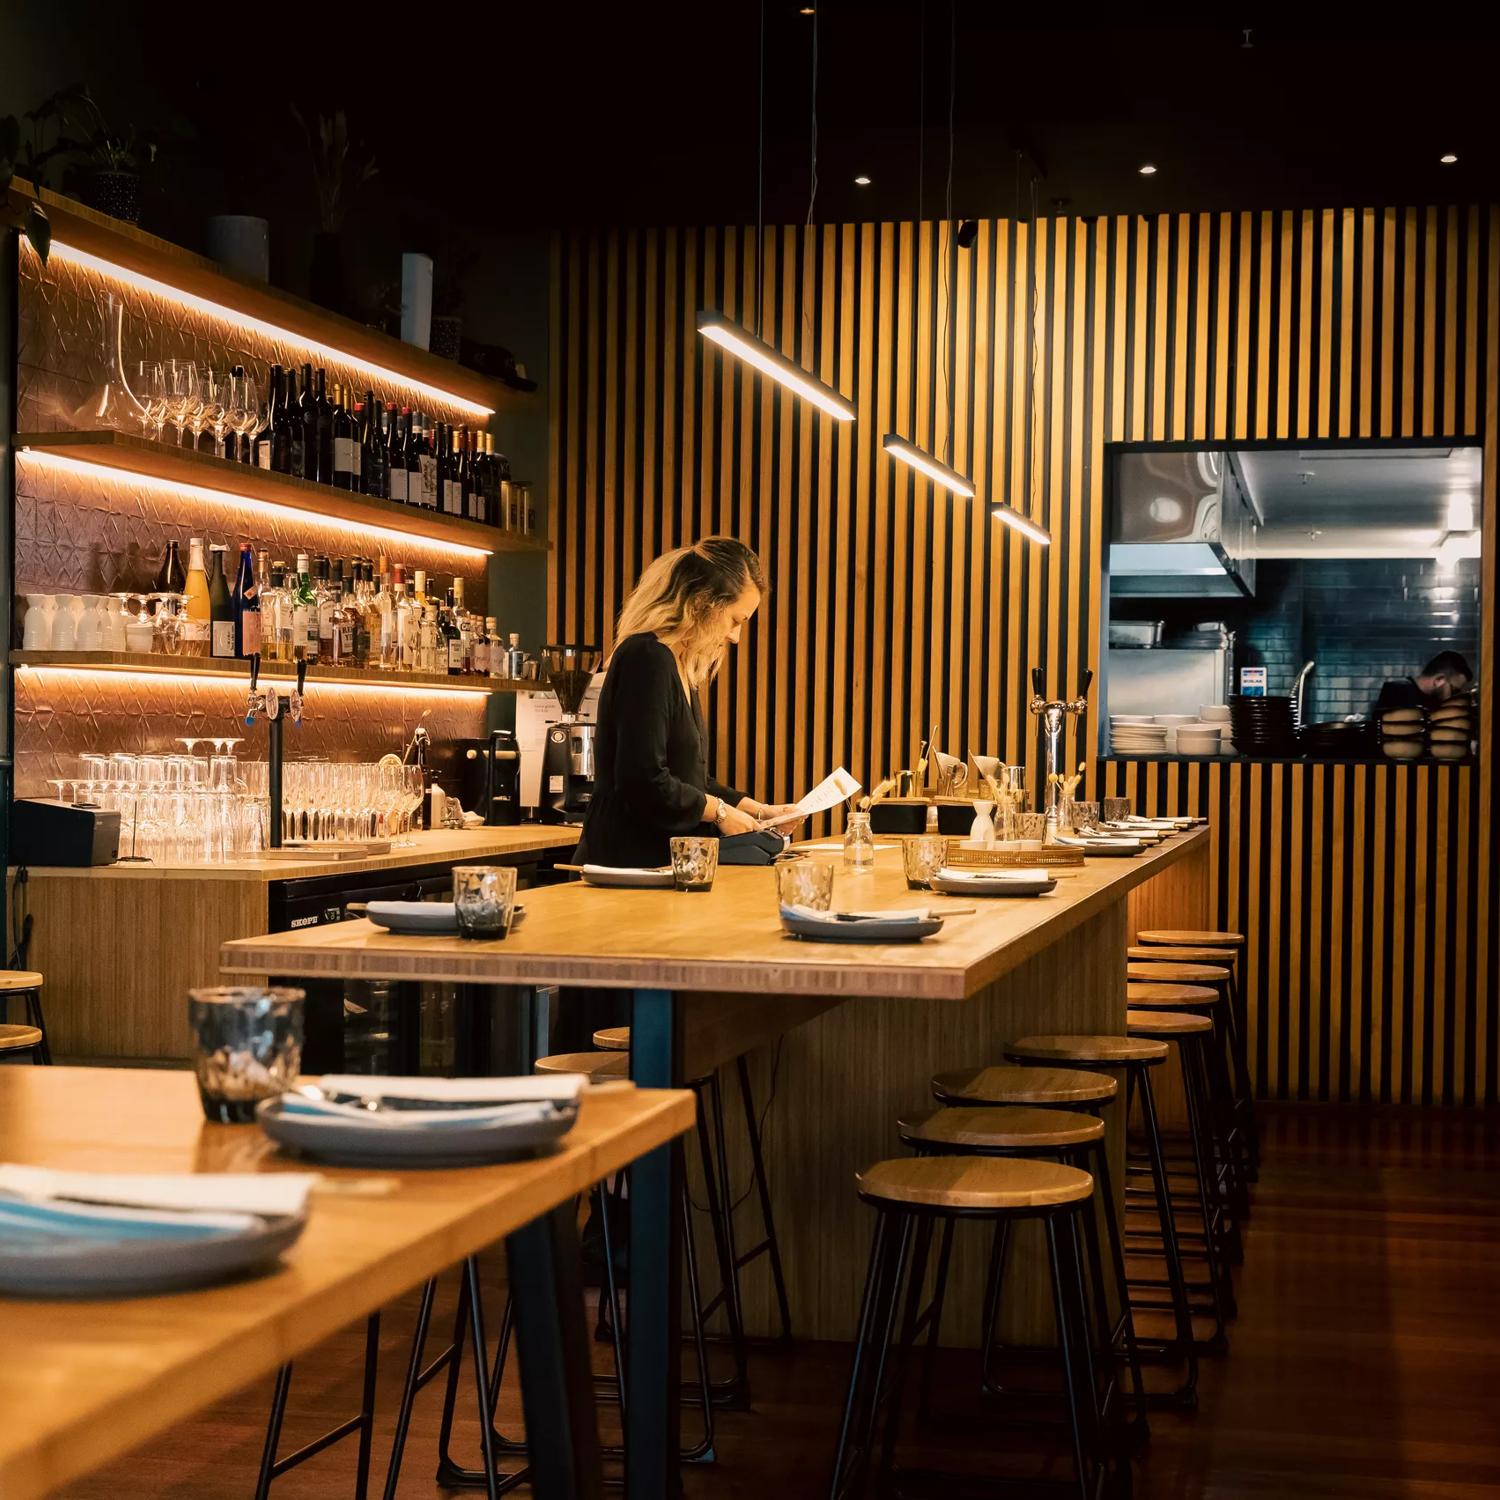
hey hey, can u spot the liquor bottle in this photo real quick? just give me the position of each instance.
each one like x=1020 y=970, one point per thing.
x=345 y=445
x=271 y=581
x=479 y=648
x=395 y=453
x=411 y=648
x=261 y=452
x=452 y=648
x=497 y=649
x=383 y=623
x=246 y=601
x=465 y=623
x=220 y=607
x=307 y=405
x=491 y=483
x=195 y=624
x=287 y=435
x=363 y=593
x=372 y=448
x=304 y=616
x=170 y=577
x=394 y=623
x=419 y=587
x=429 y=643
x=324 y=600
x=342 y=640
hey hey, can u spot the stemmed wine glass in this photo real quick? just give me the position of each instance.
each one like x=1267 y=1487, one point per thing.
x=151 y=396
x=182 y=385
x=213 y=388
x=245 y=415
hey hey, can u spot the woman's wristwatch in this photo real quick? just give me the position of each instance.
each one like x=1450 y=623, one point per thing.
x=721 y=812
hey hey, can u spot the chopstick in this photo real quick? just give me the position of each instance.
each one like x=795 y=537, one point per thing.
x=571 y=869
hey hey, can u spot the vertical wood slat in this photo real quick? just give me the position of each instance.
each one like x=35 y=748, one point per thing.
x=900 y=606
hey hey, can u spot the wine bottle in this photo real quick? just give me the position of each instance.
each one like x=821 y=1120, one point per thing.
x=395 y=454
x=287 y=441
x=452 y=641
x=371 y=448
x=491 y=483
x=345 y=448
x=220 y=607
x=171 y=577
x=326 y=599
x=246 y=604
x=304 y=616
x=323 y=423
x=307 y=405
x=262 y=453
x=196 y=614
x=453 y=493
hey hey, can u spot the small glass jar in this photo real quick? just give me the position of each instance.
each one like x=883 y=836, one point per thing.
x=859 y=843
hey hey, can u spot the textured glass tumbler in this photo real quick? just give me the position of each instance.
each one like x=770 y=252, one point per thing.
x=1115 y=808
x=484 y=899
x=695 y=862
x=922 y=858
x=805 y=882
x=249 y=1047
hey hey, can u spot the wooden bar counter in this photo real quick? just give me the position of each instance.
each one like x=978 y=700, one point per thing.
x=121 y=945
x=860 y=1029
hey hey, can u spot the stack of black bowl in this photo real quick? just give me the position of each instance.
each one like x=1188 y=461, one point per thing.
x=1263 y=727
x=1340 y=739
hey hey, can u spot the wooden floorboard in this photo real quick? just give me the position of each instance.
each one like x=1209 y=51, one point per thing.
x=1365 y=1360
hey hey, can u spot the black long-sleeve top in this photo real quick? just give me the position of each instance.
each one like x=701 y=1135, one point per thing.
x=650 y=765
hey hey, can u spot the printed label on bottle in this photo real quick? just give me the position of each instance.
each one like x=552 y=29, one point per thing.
x=250 y=632
x=398 y=484
x=452 y=497
x=429 y=481
x=456 y=653
x=223 y=638
x=343 y=644
x=194 y=632
x=263 y=454
x=345 y=456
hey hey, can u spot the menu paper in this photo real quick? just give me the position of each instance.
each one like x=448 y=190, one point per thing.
x=835 y=788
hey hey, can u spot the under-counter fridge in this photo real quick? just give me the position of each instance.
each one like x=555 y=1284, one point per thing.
x=1163 y=680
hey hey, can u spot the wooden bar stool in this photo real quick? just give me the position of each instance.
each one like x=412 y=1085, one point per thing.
x=1135 y=1056
x=1193 y=1036
x=1043 y=1088
x=1230 y=947
x=1070 y=1137
x=16 y=1041
x=732 y=1259
x=27 y=985
x=911 y=1197
x=1146 y=994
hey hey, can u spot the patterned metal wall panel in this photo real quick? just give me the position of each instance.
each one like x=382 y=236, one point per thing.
x=61 y=715
x=1367 y=890
x=63 y=328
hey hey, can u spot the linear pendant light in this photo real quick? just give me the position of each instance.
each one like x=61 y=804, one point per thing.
x=1014 y=519
x=908 y=453
x=744 y=345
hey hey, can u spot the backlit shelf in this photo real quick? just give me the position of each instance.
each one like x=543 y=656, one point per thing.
x=185 y=469
x=84 y=235
x=217 y=669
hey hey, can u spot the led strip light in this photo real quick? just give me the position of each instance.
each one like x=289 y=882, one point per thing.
x=272 y=672
x=272 y=508
x=260 y=327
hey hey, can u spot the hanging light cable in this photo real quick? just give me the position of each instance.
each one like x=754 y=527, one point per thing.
x=743 y=343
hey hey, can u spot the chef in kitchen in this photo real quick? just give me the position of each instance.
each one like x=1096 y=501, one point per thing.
x=1446 y=676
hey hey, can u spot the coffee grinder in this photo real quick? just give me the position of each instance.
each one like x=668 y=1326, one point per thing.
x=568 y=754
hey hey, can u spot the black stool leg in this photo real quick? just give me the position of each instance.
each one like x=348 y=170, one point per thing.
x=1104 y=1187
x=999 y=1251
x=1238 y=1026
x=715 y=1182
x=916 y=1279
x=773 y=1245
x=367 y=1407
x=1187 y=1393
x=273 y=1432
x=409 y=1389
x=1190 y=1054
x=935 y=1322
x=1066 y=1339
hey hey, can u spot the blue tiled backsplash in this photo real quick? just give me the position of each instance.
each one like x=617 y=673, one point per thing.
x=1362 y=620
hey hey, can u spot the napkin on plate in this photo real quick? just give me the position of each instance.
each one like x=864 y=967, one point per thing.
x=459 y=1103
x=625 y=869
x=107 y=1205
x=1007 y=873
x=905 y=914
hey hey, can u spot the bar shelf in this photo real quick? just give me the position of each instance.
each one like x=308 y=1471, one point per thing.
x=156 y=664
x=123 y=453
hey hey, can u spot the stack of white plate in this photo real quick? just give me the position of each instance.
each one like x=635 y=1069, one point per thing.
x=1136 y=734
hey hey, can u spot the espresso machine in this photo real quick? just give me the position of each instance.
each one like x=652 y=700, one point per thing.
x=1051 y=733
x=568 y=751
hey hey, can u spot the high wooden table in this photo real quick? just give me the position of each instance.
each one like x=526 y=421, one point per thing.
x=82 y=1382
x=712 y=977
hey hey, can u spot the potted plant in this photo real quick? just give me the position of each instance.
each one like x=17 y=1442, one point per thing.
x=452 y=271
x=109 y=159
x=341 y=167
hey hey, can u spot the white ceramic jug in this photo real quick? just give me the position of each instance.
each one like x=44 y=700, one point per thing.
x=90 y=623
x=112 y=637
x=65 y=625
x=36 y=632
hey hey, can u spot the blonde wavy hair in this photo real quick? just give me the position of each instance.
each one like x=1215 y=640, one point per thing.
x=679 y=596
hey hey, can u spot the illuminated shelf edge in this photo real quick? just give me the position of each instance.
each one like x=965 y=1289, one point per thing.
x=135 y=252
x=124 y=662
x=113 y=452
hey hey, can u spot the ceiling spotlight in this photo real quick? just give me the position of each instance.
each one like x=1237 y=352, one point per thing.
x=968 y=232
x=1447 y=158
x=1148 y=170
x=861 y=181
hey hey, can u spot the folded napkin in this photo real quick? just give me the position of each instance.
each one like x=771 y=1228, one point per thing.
x=1123 y=841
x=555 y=1086
x=1007 y=873
x=625 y=869
x=905 y=914
x=141 y=1204
x=458 y=1103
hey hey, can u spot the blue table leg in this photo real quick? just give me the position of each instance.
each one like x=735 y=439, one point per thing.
x=654 y=1275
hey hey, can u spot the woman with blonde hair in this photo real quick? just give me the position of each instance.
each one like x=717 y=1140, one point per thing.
x=651 y=778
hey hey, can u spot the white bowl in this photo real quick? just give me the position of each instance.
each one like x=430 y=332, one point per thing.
x=1214 y=713
x=1174 y=721
x=1131 y=719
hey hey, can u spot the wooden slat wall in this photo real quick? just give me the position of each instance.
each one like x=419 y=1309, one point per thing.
x=1367 y=889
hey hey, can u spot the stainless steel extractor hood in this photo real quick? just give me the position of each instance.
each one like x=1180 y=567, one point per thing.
x=1182 y=527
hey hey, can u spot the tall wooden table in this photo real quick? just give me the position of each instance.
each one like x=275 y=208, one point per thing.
x=82 y=1382
x=712 y=976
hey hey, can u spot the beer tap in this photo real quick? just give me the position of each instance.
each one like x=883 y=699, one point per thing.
x=266 y=700
x=1051 y=720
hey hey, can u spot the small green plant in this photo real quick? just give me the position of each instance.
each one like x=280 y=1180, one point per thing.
x=341 y=167
x=35 y=225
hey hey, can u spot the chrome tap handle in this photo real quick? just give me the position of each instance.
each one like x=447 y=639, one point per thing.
x=256 y=701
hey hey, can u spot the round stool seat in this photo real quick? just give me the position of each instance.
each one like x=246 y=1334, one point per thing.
x=19 y=1038
x=1192 y=937
x=600 y=1066
x=1004 y=1129
x=1179 y=973
x=1016 y=1085
x=613 y=1039
x=13 y=980
x=1169 y=996
x=1106 y=1051
x=1160 y=1023
x=1181 y=954
x=974 y=1182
